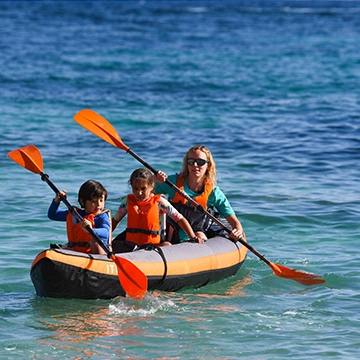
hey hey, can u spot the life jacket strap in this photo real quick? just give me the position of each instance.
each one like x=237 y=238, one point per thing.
x=142 y=231
x=80 y=244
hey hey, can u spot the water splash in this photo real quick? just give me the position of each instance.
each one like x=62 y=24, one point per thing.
x=149 y=305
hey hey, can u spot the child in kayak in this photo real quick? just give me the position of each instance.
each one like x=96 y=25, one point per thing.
x=92 y=196
x=144 y=210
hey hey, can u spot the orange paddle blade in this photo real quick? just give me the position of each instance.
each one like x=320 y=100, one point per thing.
x=28 y=157
x=131 y=278
x=302 y=277
x=100 y=127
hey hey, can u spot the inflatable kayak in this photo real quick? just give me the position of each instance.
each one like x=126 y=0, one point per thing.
x=63 y=273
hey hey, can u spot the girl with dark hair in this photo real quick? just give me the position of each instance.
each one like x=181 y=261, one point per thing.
x=144 y=210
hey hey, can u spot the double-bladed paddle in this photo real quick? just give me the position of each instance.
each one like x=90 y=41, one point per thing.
x=132 y=279
x=100 y=127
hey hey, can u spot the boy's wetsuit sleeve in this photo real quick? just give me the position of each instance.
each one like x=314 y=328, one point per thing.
x=55 y=214
x=103 y=226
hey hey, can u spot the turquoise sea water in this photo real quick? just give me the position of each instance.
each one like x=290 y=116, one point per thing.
x=271 y=87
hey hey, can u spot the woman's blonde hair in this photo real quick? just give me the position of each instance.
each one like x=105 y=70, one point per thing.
x=210 y=175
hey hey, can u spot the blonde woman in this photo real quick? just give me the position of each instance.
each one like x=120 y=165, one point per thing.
x=198 y=179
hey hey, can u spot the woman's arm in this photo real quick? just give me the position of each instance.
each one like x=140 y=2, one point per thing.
x=222 y=205
x=237 y=229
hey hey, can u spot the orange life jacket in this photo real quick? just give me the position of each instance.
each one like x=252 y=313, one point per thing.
x=143 y=223
x=78 y=238
x=196 y=218
x=201 y=199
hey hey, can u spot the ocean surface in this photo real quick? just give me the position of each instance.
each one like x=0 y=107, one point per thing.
x=271 y=87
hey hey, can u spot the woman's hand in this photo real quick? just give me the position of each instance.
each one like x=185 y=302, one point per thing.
x=160 y=177
x=200 y=237
x=236 y=234
x=237 y=229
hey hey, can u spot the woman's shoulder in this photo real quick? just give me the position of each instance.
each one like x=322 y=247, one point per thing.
x=216 y=189
x=217 y=193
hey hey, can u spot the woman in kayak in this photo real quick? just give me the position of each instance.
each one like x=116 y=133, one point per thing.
x=198 y=180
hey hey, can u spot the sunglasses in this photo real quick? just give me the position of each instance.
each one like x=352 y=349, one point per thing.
x=199 y=162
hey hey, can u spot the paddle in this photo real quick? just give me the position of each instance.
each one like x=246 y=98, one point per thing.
x=100 y=127
x=131 y=278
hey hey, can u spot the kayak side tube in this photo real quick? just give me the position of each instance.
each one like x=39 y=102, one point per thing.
x=64 y=273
